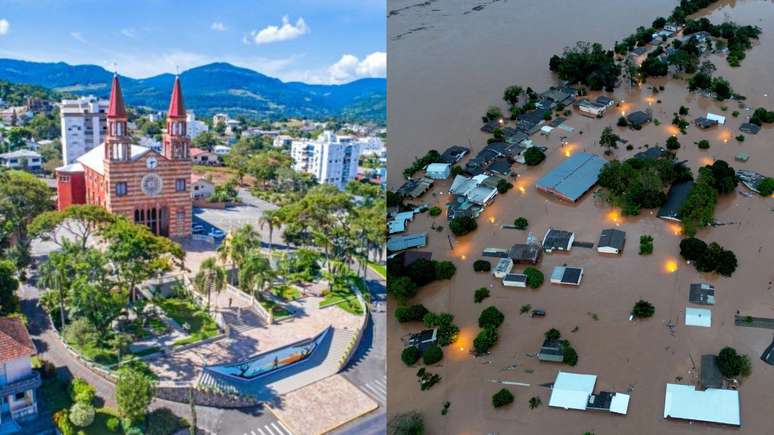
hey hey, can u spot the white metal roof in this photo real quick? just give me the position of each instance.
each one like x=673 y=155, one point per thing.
x=698 y=317
x=72 y=167
x=620 y=403
x=719 y=118
x=438 y=167
x=572 y=390
x=94 y=158
x=712 y=405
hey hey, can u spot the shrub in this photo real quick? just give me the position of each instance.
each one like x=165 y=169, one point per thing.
x=447 y=331
x=462 y=225
x=683 y=111
x=81 y=391
x=163 y=421
x=444 y=269
x=726 y=263
x=62 y=421
x=112 y=424
x=740 y=138
x=703 y=144
x=535 y=277
x=569 y=355
x=766 y=186
x=533 y=156
x=422 y=272
x=82 y=414
x=622 y=122
x=485 y=339
x=80 y=333
x=553 y=334
x=732 y=364
x=480 y=295
x=525 y=308
x=534 y=402
x=434 y=211
x=692 y=248
x=410 y=355
x=504 y=186
x=502 y=398
x=672 y=143
x=432 y=355
x=411 y=313
x=402 y=287
x=643 y=309
x=406 y=424
x=491 y=317
x=521 y=223
x=482 y=266
x=456 y=170
x=646 y=244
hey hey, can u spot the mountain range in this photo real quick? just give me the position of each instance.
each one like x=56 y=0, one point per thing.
x=212 y=88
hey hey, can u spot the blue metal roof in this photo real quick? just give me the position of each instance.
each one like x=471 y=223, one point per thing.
x=416 y=240
x=574 y=176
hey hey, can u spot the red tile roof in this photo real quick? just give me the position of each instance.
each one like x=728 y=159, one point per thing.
x=15 y=341
x=116 y=108
x=176 y=108
x=197 y=151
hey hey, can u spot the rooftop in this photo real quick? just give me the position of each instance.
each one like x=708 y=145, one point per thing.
x=94 y=159
x=400 y=243
x=711 y=405
x=677 y=195
x=573 y=177
x=612 y=238
x=15 y=341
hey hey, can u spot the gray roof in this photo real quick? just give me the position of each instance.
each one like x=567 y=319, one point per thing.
x=573 y=177
x=551 y=350
x=710 y=373
x=702 y=294
x=408 y=241
x=525 y=253
x=639 y=50
x=20 y=154
x=675 y=199
x=612 y=238
x=638 y=118
x=453 y=154
x=556 y=239
x=749 y=128
x=651 y=153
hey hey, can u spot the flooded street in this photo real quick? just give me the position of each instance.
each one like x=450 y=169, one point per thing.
x=448 y=63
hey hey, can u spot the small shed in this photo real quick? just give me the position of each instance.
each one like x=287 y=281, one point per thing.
x=611 y=241
x=698 y=317
x=551 y=350
x=702 y=294
x=721 y=120
x=525 y=253
x=710 y=373
x=502 y=268
x=423 y=339
x=572 y=390
x=566 y=275
x=401 y=243
x=515 y=280
x=438 y=171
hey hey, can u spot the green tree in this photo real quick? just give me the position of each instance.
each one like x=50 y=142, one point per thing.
x=462 y=225
x=406 y=424
x=766 y=186
x=410 y=355
x=643 y=309
x=533 y=156
x=255 y=274
x=732 y=364
x=692 y=248
x=502 y=398
x=521 y=223
x=511 y=94
x=211 y=277
x=133 y=394
x=491 y=317
x=22 y=197
x=272 y=220
x=81 y=222
x=9 y=302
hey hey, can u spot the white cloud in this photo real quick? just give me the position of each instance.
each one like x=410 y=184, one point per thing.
x=78 y=37
x=285 y=32
x=218 y=26
x=349 y=67
x=129 y=33
x=5 y=26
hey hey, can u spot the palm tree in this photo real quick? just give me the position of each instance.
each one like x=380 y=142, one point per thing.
x=245 y=240
x=255 y=273
x=273 y=220
x=211 y=277
x=56 y=274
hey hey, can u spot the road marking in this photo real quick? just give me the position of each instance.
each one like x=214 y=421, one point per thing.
x=277 y=429
x=284 y=427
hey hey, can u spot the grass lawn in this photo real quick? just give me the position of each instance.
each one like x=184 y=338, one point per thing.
x=99 y=426
x=185 y=311
x=277 y=310
x=93 y=352
x=380 y=269
x=55 y=393
x=343 y=298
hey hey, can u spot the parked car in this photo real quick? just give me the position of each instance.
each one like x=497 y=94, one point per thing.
x=198 y=229
x=538 y=313
x=217 y=233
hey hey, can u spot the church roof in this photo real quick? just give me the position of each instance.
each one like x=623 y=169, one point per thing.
x=176 y=108
x=116 y=108
x=94 y=159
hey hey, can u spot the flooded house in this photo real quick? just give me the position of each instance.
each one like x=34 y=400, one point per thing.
x=414 y=188
x=611 y=241
x=713 y=405
x=576 y=391
x=701 y=294
x=551 y=350
x=515 y=280
x=572 y=178
x=638 y=119
x=454 y=154
x=401 y=243
x=567 y=275
x=438 y=171
x=525 y=253
x=558 y=240
x=676 y=197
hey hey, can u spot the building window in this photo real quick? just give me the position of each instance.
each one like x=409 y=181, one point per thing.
x=64 y=178
x=180 y=216
x=19 y=396
x=121 y=189
x=180 y=185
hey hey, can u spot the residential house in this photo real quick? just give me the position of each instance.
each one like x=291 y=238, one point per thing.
x=590 y=108
x=528 y=253
x=637 y=119
x=566 y=275
x=698 y=317
x=203 y=157
x=713 y=405
x=710 y=376
x=611 y=241
x=401 y=243
x=423 y=339
x=515 y=280
x=676 y=197
x=201 y=187
x=551 y=350
x=415 y=188
x=558 y=240
x=652 y=153
x=749 y=128
x=18 y=382
x=701 y=294
x=453 y=154
x=502 y=268
x=576 y=391
x=438 y=171
x=22 y=159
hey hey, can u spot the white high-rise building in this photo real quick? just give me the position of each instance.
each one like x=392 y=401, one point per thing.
x=195 y=128
x=84 y=121
x=331 y=159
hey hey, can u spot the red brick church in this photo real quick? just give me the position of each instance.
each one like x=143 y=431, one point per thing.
x=147 y=187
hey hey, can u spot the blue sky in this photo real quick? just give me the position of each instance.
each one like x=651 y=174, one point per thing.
x=316 y=41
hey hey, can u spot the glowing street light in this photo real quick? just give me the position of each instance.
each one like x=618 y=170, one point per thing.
x=670 y=266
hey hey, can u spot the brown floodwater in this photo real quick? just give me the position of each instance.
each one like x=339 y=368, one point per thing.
x=442 y=77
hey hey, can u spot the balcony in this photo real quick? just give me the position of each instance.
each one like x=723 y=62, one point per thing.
x=25 y=411
x=21 y=385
